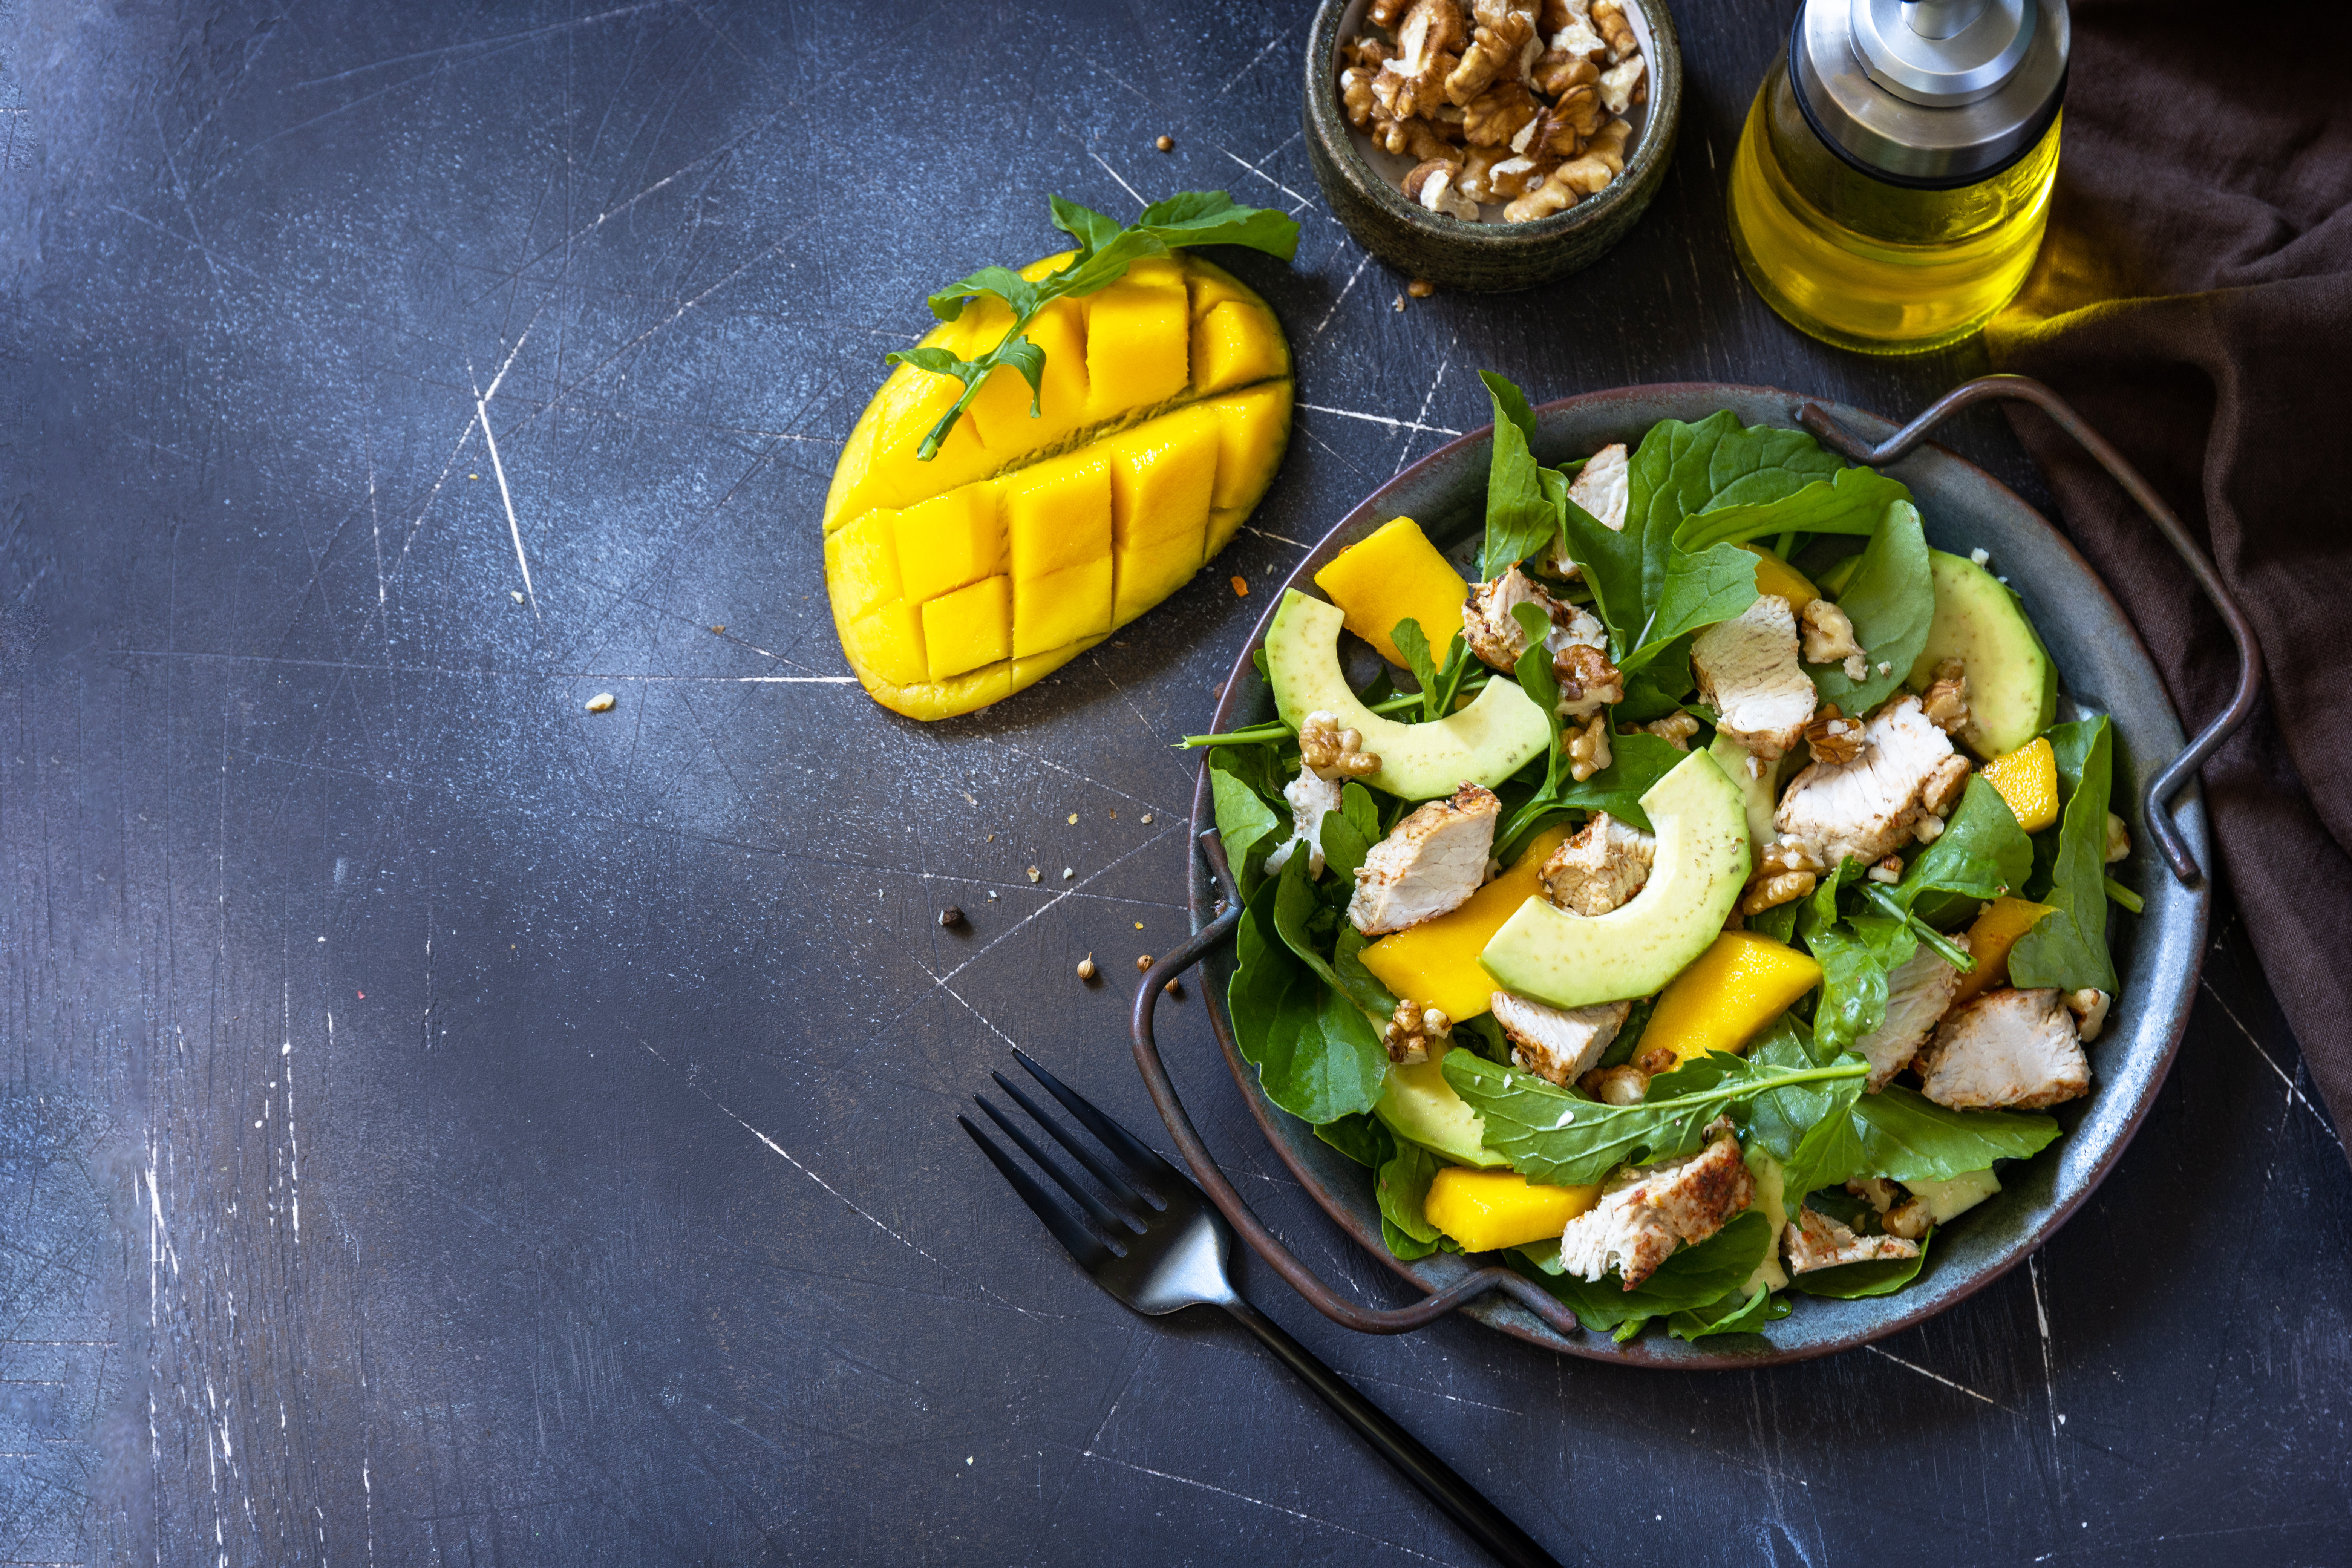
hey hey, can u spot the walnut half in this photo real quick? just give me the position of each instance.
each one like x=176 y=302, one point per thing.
x=1332 y=752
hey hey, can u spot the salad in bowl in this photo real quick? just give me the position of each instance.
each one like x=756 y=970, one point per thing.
x=1694 y=901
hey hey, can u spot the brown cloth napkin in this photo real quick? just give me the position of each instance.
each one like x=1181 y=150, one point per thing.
x=2194 y=301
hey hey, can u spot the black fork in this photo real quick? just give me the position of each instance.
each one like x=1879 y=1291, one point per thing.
x=1159 y=1247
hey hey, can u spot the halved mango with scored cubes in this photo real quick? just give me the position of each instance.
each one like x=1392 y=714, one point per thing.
x=1164 y=411
x=1741 y=983
x=1484 y=1210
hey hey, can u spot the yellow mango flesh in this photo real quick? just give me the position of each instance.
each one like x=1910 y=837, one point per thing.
x=1997 y=926
x=1486 y=1210
x=1741 y=983
x=1435 y=963
x=1774 y=576
x=1164 y=412
x=1396 y=574
x=2028 y=779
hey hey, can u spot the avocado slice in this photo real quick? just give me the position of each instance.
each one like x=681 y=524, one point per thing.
x=1755 y=789
x=1571 y=961
x=1486 y=743
x=2013 y=683
x=1419 y=1104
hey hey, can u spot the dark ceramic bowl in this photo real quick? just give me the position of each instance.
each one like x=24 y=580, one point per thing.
x=2102 y=665
x=1484 y=258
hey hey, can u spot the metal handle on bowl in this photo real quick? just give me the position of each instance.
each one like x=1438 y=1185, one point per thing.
x=2023 y=389
x=1260 y=1240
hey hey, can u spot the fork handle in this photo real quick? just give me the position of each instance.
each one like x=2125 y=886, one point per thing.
x=1463 y=1502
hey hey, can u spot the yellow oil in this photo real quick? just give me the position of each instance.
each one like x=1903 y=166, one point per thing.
x=1878 y=267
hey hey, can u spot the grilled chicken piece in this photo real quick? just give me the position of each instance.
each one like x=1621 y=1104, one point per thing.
x=1433 y=862
x=1599 y=868
x=1866 y=808
x=1916 y=995
x=1603 y=488
x=1817 y=1241
x=1497 y=637
x=1312 y=798
x=1562 y=1044
x=1647 y=1211
x=2008 y=1047
x=1747 y=672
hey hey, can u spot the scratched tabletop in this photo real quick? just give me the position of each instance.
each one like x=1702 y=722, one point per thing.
x=441 y=1124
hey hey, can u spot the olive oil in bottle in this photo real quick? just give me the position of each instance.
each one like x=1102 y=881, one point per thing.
x=1892 y=180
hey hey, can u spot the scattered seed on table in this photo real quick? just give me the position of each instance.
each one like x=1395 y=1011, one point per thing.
x=1147 y=819
x=1166 y=144
x=1142 y=962
x=1087 y=967
x=952 y=916
x=1421 y=288
x=716 y=630
x=514 y=594
x=1035 y=873
x=1067 y=873
x=601 y=702
x=1398 y=304
x=1174 y=989
x=1074 y=819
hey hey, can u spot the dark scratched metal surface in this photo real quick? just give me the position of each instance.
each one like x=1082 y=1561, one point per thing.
x=439 y=1124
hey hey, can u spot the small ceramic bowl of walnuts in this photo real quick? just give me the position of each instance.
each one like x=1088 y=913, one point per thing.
x=1491 y=144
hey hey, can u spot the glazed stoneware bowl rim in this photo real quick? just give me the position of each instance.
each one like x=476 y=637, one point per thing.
x=1652 y=148
x=2103 y=664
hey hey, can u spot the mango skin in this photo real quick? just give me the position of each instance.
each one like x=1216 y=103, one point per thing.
x=2027 y=779
x=1188 y=404
x=1487 y=1210
x=1741 y=983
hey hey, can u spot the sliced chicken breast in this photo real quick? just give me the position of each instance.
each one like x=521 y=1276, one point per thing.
x=1816 y=1241
x=1747 y=672
x=1866 y=808
x=1649 y=1210
x=1433 y=862
x=1916 y=995
x=1562 y=1044
x=2008 y=1047
x=1605 y=864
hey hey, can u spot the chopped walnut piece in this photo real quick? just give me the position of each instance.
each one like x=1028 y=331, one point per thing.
x=1616 y=1086
x=1771 y=891
x=1677 y=729
x=1588 y=681
x=1588 y=748
x=1433 y=187
x=1499 y=50
x=1622 y=85
x=1331 y=752
x=1946 y=702
x=1834 y=737
x=1945 y=785
x=1889 y=871
x=1384 y=13
x=1829 y=639
x=1559 y=73
x=1609 y=21
x=1603 y=161
x=2118 y=839
x=1782 y=856
x=1411 y=1029
x=1498 y=114
x=1910 y=1219
x=2089 y=1006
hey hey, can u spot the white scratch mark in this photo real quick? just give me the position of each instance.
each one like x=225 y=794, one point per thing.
x=1404 y=449
x=1114 y=173
x=2049 y=1358
x=1939 y=1376
x=2294 y=1092
x=1407 y=425
x=1262 y=175
x=1278 y=537
x=1259 y=1501
x=1255 y=60
x=1334 y=310
x=482 y=413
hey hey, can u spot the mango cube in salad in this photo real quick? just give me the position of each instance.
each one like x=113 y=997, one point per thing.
x=1486 y=1210
x=1394 y=574
x=2027 y=779
x=1741 y=983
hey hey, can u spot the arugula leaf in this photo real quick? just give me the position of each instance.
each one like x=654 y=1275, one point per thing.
x=1881 y=1277
x=1106 y=250
x=1729 y=1316
x=1521 y=517
x=1906 y=1137
x=1610 y=562
x=1699 y=589
x=1854 y=979
x=1349 y=835
x=1247 y=822
x=1317 y=1055
x=2068 y=948
x=1852 y=500
x=1691 y=1280
x=1807 y=1128
x=1402 y=1185
x=1363 y=987
x=1635 y=763
x=1551 y=1135
x=1891 y=599
x=1438 y=681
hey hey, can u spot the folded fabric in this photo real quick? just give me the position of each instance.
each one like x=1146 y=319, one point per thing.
x=2194 y=301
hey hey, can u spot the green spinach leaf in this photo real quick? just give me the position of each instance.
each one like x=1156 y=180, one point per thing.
x=1360 y=985
x=1402 y=1186
x=1906 y=1137
x=1315 y=1051
x=1807 y=1128
x=2068 y=948
x=1699 y=588
x=1252 y=818
x=1522 y=520
x=1891 y=599
x=1637 y=761
x=1349 y=835
x=1852 y=500
x=1981 y=853
x=1610 y=562
x=1680 y=471
x=1551 y=1135
x=1729 y=1316
x=1363 y=1137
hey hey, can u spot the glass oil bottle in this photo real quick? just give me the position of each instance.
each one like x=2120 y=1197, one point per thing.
x=1892 y=180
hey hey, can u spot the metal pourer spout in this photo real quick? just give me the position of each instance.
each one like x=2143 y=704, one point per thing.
x=1941 y=19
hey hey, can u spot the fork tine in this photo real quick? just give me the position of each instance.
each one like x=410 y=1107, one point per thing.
x=1117 y=1139
x=1109 y=1178
x=1115 y=1223
x=1091 y=1253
